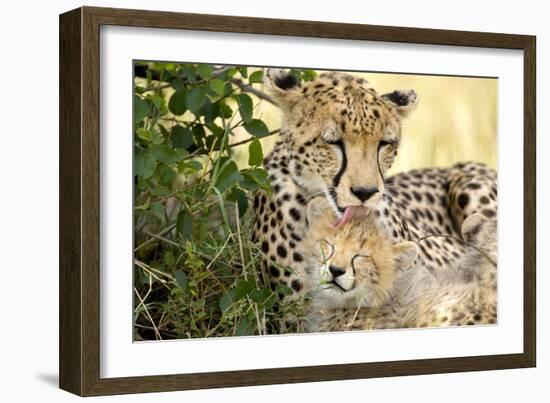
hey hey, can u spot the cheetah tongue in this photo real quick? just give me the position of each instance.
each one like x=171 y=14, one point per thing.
x=349 y=212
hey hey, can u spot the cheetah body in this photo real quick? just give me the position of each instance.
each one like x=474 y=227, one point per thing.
x=338 y=138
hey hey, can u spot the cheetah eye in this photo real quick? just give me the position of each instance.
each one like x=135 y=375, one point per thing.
x=330 y=136
x=386 y=144
x=334 y=142
x=359 y=256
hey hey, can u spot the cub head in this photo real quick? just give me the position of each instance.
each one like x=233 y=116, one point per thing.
x=356 y=264
x=341 y=135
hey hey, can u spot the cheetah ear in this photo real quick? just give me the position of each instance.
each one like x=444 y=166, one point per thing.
x=405 y=254
x=319 y=214
x=283 y=86
x=471 y=227
x=404 y=101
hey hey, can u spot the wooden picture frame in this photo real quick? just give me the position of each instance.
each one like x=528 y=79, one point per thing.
x=80 y=184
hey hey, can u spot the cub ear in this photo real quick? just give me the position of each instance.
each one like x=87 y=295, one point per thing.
x=319 y=214
x=405 y=254
x=404 y=101
x=283 y=86
x=472 y=226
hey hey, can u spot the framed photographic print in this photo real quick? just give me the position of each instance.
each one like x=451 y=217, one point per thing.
x=249 y=201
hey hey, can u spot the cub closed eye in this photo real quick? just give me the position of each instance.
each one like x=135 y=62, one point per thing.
x=358 y=259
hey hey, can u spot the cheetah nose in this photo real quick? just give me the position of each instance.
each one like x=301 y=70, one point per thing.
x=363 y=193
x=336 y=271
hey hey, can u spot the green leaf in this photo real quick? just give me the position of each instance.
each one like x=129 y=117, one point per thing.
x=242 y=201
x=195 y=98
x=144 y=134
x=239 y=197
x=198 y=133
x=158 y=210
x=308 y=75
x=140 y=109
x=181 y=137
x=181 y=278
x=158 y=101
x=244 y=287
x=243 y=70
x=189 y=72
x=225 y=111
x=228 y=88
x=228 y=177
x=255 y=153
x=169 y=259
x=229 y=73
x=226 y=300
x=210 y=111
x=165 y=154
x=283 y=289
x=256 y=77
x=245 y=328
x=245 y=107
x=167 y=176
x=259 y=175
x=177 y=102
x=193 y=164
x=184 y=224
x=256 y=127
x=177 y=84
x=218 y=86
x=260 y=295
x=204 y=70
x=144 y=164
x=157 y=138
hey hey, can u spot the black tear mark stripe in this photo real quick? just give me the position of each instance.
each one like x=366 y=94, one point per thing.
x=338 y=177
x=380 y=145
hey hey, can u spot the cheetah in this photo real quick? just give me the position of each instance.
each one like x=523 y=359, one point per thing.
x=364 y=281
x=337 y=140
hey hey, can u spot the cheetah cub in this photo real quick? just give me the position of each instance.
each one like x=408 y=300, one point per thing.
x=365 y=282
x=354 y=267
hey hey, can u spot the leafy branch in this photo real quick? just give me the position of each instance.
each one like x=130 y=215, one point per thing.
x=198 y=152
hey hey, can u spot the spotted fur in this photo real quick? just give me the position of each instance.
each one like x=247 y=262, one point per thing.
x=338 y=139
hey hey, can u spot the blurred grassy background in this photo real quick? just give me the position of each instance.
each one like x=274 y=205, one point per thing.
x=456 y=120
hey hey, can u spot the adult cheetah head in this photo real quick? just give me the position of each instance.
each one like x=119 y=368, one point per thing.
x=341 y=136
x=354 y=265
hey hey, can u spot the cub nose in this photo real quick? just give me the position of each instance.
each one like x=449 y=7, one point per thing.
x=336 y=271
x=363 y=193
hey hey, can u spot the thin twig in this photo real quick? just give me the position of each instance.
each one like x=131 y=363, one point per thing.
x=241 y=250
x=161 y=238
x=164 y=231
x=240 y=143
x=249 y=88
x=157 y=333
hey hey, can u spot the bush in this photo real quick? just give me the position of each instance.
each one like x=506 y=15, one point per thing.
x=196 y=269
